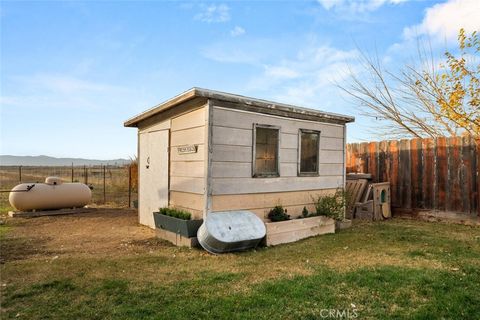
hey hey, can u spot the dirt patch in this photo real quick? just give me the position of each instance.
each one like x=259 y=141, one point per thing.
x=19 y=248
x=101 y=232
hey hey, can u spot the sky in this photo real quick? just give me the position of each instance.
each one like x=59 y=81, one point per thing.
x=72 y=72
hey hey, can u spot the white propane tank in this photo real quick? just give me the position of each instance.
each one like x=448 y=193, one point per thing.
x=53 y=194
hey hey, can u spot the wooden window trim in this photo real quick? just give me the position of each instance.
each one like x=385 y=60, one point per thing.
x=299 y=160
x=254 y=154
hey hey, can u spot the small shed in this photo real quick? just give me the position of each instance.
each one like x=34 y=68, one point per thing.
x=206 y=151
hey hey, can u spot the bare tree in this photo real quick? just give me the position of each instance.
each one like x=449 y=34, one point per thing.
x=423 y=99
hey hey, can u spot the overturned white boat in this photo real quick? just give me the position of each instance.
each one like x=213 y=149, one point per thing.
x=228 y=231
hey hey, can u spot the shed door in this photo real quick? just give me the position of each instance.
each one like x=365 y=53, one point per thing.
x=153 y=175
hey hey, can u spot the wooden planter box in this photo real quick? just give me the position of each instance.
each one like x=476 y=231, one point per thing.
x=186 y=228
x=297 y=229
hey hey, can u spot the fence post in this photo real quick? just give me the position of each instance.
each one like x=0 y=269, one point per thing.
x=104 y=194
x=129 y=185
x=20 y=173
x=72 y=171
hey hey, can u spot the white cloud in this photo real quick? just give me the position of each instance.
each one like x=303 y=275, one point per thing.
x=237 y=31
x=356 y=6
x=437 y=31
x=230 y=54
x=77 y=106
x=214 y=13
x=305 y=78
x=280 y=72
x=242 y=50
x=58 y=91
x=444 y=20
x=308 y=78
x=63 y=84
x=329 y=4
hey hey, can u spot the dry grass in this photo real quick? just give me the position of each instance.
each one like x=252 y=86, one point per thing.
x=107 y=249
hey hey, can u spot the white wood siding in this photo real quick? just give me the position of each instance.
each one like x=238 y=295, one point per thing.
x=195 y=135
x=231 y=136
x=226 y=153
x=164 y=125
x=188 y=170
x=232 y=141
x=328 y=143
x=231 y=118
x=192 y=202
x=264 y=185
x=261 y=203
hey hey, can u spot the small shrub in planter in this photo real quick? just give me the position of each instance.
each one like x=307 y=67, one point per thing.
x=177 y=221
x=331 y=206
x=304 y=212
x=176 y=213
x=278 y=214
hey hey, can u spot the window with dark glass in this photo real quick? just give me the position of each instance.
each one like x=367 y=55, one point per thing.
x=309 y=146
x=265 y=151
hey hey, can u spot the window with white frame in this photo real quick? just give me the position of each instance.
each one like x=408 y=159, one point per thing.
x=265 y=150
x=308 y=158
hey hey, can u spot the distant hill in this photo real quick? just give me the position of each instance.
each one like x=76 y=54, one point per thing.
x=7 y=160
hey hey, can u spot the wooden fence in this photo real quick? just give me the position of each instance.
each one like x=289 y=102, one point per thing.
x=440 y=174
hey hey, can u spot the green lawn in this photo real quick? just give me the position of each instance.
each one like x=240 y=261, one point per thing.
x=398 y=269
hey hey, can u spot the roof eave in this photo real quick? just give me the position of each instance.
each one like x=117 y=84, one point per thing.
x=210 y=94
x=185 y=96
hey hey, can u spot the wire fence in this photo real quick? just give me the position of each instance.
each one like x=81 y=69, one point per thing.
x=114 y=186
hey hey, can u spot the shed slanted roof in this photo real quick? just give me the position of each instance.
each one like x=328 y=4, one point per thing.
x=259 y=105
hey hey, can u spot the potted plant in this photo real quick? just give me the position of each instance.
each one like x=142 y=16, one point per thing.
x=177 y=221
